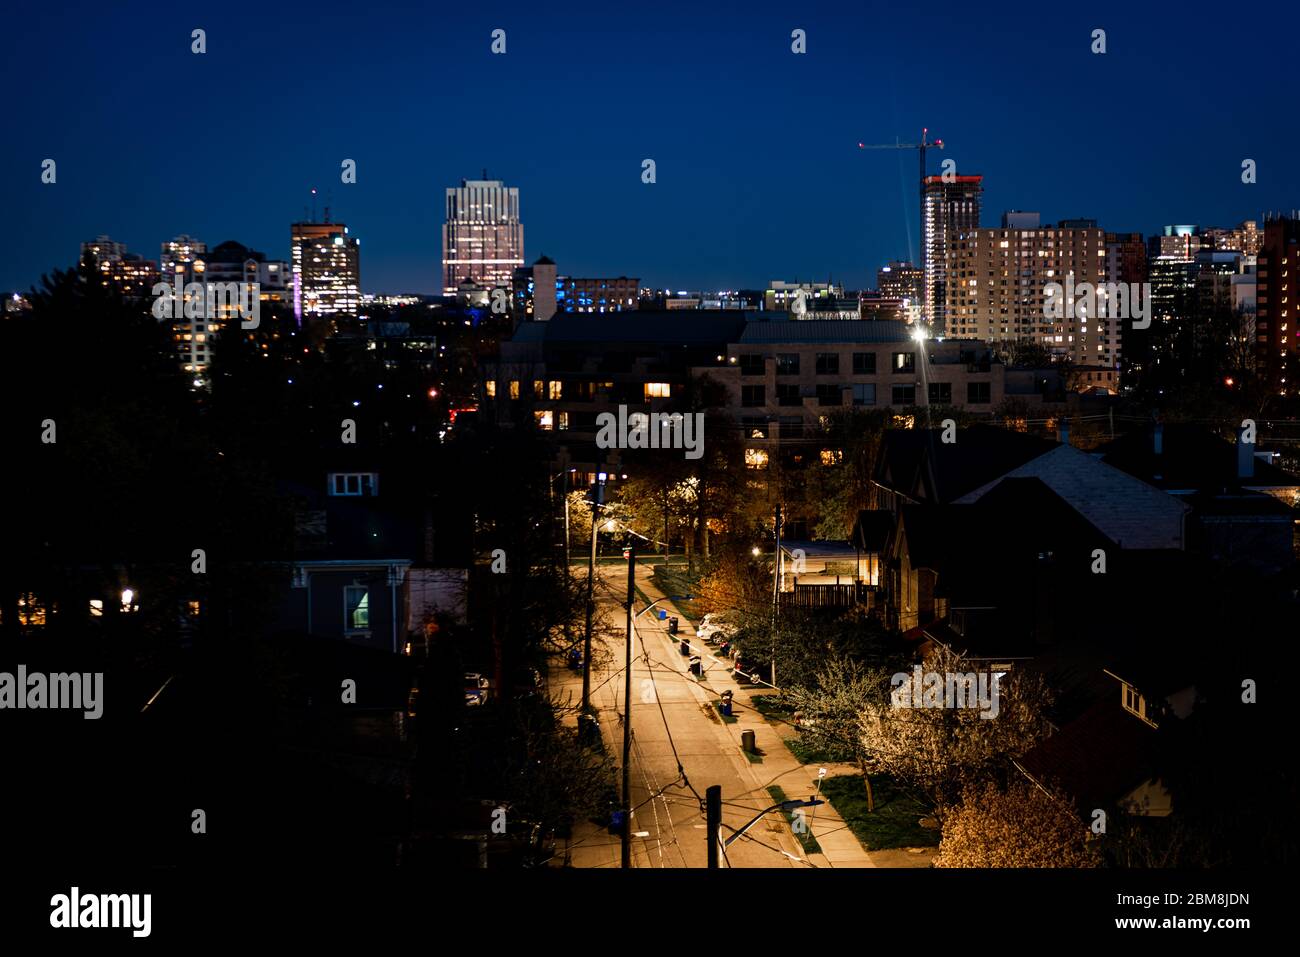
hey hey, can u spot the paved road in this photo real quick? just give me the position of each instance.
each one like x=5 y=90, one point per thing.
x=673 y=721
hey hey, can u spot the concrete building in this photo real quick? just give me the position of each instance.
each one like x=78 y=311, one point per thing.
x=997 y=290
x=482 y=238
x=948 y=210
x=783 y=378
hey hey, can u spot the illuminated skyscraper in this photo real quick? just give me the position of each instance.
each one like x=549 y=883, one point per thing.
x=326 y=270
x=949 y=210
x=482 y=239
x=1277 y=336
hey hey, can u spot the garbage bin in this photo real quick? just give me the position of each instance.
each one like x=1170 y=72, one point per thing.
x=694 y=665
x=725 y=704
x=685 y=646
x=747 y=741
x=672 y=626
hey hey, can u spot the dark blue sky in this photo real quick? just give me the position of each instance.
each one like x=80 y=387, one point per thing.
x=759 y=175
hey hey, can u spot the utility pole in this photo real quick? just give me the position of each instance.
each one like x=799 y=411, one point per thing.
x=713 y=814
x=597 y=498
x=627 y=710
x=666 y=527
x=776 y=593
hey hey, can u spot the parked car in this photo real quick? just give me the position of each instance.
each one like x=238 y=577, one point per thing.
x=713 y=629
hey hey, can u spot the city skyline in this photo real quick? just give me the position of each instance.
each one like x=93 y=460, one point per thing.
x=735 y=200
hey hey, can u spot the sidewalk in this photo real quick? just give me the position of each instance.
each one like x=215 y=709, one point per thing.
x=839 y=846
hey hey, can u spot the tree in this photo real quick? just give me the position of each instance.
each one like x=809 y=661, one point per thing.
x=940 y=750
x=832 y=707
x=1021 y=826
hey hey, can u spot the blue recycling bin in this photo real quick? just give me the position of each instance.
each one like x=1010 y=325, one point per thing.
x=663 y=613
x=617 y=822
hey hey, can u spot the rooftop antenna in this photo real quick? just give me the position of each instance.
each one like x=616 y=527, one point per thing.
x=313 y=204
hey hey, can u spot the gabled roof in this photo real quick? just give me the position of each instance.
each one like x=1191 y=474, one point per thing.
x=1096 y=759
x=920 y=465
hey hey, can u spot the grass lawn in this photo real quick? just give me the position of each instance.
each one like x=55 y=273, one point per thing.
x=770 y=707
x=806 y=839
x=894 y=822
x=807 y=754
x=674 y=580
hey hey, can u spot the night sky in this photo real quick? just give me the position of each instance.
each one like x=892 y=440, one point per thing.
x=759 y=174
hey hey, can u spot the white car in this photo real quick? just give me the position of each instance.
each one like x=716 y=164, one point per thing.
x=713 y=629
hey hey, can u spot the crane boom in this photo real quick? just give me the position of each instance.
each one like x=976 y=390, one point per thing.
x=921 y=147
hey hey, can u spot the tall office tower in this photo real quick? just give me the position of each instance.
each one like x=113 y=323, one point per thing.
x=1172 y=270
x=179 y=251
x=1277 y=298
x=997 y=290
x=482 y=238
x=948 y=210
x=326 y=270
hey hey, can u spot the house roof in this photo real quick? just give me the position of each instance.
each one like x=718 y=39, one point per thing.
x=824 y=330
x=919 y=464
x=821 y=550
x=1097 y=758
x=1191 y=457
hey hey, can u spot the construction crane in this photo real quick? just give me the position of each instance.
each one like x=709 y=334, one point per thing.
x=925 y=144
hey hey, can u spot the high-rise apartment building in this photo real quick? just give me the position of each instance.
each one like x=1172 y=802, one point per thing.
x=130 y=274
x=901 y=280
x=482 y=238
x=179 y=251
x=949 y=210
x=1277 y=294
x=326 y=263
x=235 y=262
x=997 y=290
x=103 y=250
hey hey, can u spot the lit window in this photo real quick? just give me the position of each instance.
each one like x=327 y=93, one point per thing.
x=491 y=387
x=514 y=388
x=544 y=419
x=657 y=390
x=756 y=458
x=356 y=608
x=96 y=608
x=554 y=390
x=832 y=456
